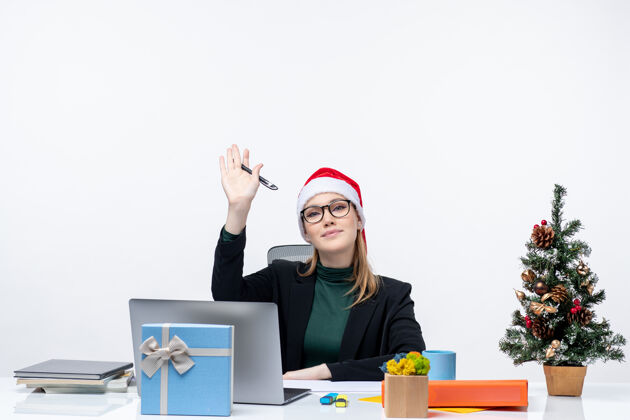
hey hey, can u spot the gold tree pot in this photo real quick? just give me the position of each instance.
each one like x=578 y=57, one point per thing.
x=564 y=380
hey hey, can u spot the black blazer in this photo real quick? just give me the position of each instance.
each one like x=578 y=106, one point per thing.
x=376 y=329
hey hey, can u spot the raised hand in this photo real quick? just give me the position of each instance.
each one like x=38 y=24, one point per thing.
x=239 y=186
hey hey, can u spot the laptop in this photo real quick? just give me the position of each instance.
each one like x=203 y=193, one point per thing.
x=257 y=357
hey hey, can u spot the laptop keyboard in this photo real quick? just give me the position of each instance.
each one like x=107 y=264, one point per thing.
x=290 y=393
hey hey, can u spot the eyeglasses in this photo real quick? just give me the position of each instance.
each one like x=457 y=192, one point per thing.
x=314 y=214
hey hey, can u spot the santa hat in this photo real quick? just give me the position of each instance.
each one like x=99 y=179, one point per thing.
x=330 y=180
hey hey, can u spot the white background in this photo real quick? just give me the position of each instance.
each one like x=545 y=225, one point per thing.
x=455 y=117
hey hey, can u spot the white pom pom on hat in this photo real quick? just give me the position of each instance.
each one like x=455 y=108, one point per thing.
x=326 y=180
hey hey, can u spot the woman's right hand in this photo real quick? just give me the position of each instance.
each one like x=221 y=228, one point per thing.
x=240 y=187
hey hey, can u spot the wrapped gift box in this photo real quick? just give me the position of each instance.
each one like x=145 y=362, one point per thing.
x=187 y=369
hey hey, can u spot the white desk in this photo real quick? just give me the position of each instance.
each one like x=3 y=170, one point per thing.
x=598 y=401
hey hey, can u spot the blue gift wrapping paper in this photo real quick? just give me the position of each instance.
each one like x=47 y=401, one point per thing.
x=205 y=389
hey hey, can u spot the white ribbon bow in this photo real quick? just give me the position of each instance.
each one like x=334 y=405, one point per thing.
x=176 y=352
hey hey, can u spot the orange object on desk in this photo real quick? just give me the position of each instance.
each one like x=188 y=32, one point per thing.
x=475 y=393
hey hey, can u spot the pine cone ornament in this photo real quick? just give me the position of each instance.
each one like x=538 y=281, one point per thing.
x=542 y=236
x=583 y=316
x=540 y=329
x=559 y=293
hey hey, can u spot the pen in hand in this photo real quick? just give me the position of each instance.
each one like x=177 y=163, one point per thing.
x=260 y=178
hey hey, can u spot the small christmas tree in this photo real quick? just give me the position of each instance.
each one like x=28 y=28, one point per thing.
x=559 y=326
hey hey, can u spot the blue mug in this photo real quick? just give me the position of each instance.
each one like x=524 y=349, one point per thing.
x=442 y=364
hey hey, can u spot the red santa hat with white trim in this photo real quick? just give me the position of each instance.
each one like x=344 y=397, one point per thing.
x=326 y=180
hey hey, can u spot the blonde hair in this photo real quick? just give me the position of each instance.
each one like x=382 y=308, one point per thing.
x=366 y=283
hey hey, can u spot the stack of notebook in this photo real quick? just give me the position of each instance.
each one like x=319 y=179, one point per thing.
x=76 y=376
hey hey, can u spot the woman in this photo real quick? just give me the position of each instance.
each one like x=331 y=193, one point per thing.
x=337 y=319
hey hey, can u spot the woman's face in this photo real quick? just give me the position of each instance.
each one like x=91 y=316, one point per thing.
x=332 y=234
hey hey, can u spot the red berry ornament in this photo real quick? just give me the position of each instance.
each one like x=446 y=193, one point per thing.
x=576 y=302
x=574 y=310
x=543 y=222
x=536 y=226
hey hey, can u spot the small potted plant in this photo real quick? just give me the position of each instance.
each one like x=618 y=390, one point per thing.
x=406 y=388
x=557 y=324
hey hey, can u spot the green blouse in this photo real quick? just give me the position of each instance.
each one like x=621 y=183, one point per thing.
x=329 y=313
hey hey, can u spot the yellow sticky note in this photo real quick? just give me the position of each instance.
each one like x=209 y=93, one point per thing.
x=376 y=399
x=461 y=410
